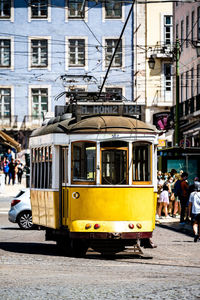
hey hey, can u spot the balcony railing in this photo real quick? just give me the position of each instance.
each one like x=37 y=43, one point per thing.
x=188 y=109
x=8 y=122
x=161 y=50
x=31 y=122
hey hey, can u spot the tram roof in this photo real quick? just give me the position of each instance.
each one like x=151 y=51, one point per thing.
x=94 y=124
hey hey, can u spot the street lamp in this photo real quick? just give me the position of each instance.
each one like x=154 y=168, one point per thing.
x=151 y=62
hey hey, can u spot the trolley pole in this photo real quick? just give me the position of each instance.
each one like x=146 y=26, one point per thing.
x=177 y=94
x=116 y=47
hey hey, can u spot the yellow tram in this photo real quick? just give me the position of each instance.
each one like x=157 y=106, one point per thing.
x=93 y=178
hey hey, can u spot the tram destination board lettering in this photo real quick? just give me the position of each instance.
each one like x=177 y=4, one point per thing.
x=109 y=110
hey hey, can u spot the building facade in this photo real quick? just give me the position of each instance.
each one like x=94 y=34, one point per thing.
x=154 y=44
x=187 y=33
x=49 y=46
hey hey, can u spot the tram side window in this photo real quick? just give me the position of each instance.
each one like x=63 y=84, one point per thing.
x=141 y=162
x=41 y=173
x=83 y=161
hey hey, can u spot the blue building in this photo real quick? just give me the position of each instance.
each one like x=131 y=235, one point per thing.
x=51 y=46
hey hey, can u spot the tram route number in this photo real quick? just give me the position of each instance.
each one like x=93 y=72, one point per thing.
x=109 y=109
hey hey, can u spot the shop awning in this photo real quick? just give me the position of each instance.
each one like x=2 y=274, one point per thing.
x=6 y=139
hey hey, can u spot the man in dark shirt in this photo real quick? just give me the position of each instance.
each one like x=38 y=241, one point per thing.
x=184 y=197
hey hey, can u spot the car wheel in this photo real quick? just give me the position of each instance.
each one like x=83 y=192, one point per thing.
x=24 y=220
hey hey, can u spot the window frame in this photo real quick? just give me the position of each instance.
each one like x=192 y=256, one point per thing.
x=41 y=176
x=150 y=151
x=83 y=182
x=39 y=95
x=11 y=15
x=105 y=64
x=165 y=26
x=40 y=18
x=112 y=17
x=11 y=53
x=2 y=104
x=67 y=53
x=127 y=160
x=48 y=47
x=68 y=18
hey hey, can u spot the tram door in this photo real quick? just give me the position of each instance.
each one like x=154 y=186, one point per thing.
x=114 y=166
x=63 y=183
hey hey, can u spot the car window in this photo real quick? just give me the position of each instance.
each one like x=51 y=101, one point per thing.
x=19 y=194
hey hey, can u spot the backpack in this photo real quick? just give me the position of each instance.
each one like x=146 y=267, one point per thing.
x=6 y=168
x=177 y=188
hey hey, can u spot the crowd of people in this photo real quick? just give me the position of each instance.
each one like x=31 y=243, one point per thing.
x=177 y=198
x=12 y=168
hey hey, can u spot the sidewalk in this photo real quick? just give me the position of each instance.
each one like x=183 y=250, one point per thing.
x=174 y=225
x=10 y=190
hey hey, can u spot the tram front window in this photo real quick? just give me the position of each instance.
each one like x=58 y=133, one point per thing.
x=141 y=162
x=114 y=166
x=84 y=161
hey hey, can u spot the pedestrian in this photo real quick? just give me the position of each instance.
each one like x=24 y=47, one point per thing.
x=184 y=196
x=163 y=201
x=176 y=189
x=8 y=155
x=12 y=171
x=6 y=169
x=19 y=171
x=194 y=206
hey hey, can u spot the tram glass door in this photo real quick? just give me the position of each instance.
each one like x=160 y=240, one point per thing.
x=114 y=166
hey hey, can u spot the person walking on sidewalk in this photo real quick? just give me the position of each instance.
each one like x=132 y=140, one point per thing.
x=194 y=205
x=163 y=201
x=184 y=196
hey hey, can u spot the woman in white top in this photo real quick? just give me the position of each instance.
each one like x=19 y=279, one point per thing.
x=163 y=201
x=194 y=203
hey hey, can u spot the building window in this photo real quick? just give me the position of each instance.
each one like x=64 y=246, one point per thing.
x=168 y=77
x=84 y=162
x=113 y=9
x=192 y=82
x=198 y=27
x=39 y=9
x=110 y=45
x=76 y=52
x=5 y=9
x=5 y=102
x=74 y=9
x=39 y=102
x=5 y=53
x=186 y=84
x=177 y=29
x=192 y=26
x=182 y=34
x=198 y=79
x=187 y=30
x=39 y=53
x=113 y=90
x=168 y=26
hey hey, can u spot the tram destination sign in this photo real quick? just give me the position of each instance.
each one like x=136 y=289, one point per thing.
x=108 y=109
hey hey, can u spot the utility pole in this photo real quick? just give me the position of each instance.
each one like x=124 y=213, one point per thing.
x=177 y=49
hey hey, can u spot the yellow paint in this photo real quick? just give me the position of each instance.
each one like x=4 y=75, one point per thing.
x=45 y=208
x=112 y=208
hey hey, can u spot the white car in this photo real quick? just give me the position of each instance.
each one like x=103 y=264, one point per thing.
x=20 y=210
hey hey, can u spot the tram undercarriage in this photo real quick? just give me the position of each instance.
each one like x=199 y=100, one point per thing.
x=77 y=244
